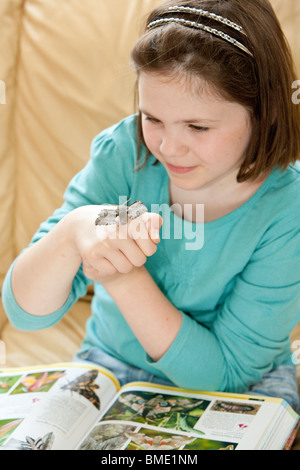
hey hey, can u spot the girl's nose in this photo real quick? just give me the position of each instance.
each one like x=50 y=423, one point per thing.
x=172 y=145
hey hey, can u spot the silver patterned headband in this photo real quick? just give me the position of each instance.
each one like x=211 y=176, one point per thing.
x=198 y=25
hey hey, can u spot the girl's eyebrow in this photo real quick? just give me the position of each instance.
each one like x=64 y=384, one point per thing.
x=200 y=120
x=185 y=121
x=143 y=111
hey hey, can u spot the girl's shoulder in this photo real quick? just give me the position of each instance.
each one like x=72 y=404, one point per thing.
x=120 y=135
x=287 y=183
x=294 y=170
x=282 y=193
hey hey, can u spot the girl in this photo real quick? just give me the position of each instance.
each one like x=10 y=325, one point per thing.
x=217 y=129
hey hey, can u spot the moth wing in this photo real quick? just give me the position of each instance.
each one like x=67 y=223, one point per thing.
x=83 y=380
x=90 y=376
x=136 y=209
x=107 y=216
x=92 y=397
x=48 y=440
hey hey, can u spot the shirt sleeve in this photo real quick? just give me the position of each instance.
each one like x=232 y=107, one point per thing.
x=27 y=322
x=251 y=332
x=112 y=160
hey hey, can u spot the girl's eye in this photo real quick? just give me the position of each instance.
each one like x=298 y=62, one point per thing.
x=153 y=120
x=198 y=128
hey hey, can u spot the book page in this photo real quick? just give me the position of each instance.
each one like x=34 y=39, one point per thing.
x=52 y=407
x=160 y=418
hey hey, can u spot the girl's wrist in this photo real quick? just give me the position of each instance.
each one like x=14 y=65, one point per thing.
x=122 y=284
x=67 y=238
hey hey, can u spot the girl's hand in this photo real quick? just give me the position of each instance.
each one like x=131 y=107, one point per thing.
x=110 y=251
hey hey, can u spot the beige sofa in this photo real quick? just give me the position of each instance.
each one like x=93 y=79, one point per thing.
x=65 y=65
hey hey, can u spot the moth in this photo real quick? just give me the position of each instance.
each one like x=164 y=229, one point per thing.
x=85 y=386
x=120 y=214
x=159 y=405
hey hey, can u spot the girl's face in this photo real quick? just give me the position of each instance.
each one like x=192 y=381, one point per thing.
x=200 y=138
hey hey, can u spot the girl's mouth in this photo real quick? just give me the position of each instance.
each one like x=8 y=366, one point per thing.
x=180 y=169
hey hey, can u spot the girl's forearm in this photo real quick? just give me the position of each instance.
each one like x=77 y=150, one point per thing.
x=152 y=318
x=42 y=276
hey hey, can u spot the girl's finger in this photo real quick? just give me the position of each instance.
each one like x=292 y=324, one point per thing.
x=153 y=224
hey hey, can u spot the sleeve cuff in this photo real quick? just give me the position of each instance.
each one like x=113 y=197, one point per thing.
x=188 y=362
x=171 y=361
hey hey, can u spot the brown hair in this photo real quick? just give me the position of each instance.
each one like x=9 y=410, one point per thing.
x=262 y=82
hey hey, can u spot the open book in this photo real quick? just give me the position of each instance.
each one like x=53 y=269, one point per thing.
x=75 y=406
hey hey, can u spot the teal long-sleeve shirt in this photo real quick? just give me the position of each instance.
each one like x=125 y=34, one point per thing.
x=236 y=280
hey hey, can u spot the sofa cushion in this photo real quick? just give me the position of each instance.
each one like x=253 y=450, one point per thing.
x=56 y=344
x=74 y=79
x=10 y=21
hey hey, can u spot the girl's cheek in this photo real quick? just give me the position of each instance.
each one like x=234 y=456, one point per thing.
x=151 y=141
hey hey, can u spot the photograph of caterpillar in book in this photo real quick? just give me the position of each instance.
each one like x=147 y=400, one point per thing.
x=178 y=413
x=237 y=408
x=85 y=386
x=40 y=382
x=31 y=383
